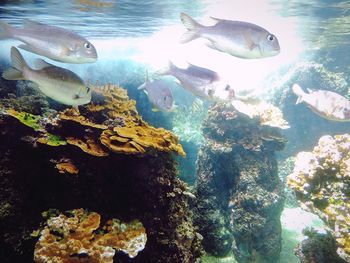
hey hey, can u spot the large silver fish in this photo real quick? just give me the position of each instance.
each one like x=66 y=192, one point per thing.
x=239 y=39
x=203 y=83
x=327 y=104
x=50 y=41
x=159 y=94
x=57 y=83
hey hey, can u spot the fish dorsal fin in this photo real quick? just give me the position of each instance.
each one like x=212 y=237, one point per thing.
x=217 y=20
x=40 y=63
x=30 y=23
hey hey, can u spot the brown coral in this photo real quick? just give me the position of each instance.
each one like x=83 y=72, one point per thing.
x=321 y=180
x=73 y=239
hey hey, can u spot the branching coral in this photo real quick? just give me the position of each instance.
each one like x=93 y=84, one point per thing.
x=321 y=180
x=76 y=238
x=109 y=124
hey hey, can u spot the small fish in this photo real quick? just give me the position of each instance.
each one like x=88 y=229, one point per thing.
x=50 y=41
x=327 y=104
x=203 y=83
x=239 y=39
x=57 y=83
x=197 y=105
x=159 y=94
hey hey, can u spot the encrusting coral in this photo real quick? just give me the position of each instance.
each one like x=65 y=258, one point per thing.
x=76 y=238
x=321 y=181
x=109 y=124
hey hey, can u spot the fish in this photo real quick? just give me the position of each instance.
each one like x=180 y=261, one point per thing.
x=59 y=84
x=159 y=94
x=203 y=83
x=327 y=104
x=237 y=38
x=50 y=41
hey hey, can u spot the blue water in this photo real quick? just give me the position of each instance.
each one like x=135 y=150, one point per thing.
x=134 y=36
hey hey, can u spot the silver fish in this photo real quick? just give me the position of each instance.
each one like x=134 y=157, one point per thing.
x=327 y=104
x=239 y=39
x=50 y=41
x=203 y=83
x=57 y=83
x=159 y=94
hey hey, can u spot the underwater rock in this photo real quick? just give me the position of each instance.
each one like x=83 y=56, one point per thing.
x=239 y=194
x=78 y=237
x=319 y=248
x=118 y=185
x=321 y=181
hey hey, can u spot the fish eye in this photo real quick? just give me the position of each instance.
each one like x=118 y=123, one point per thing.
x=270 y=37
x=165 y=98
x=87 y=89
x=227 y=87
x=87 y=45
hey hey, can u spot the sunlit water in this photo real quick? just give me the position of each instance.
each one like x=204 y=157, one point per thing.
x=132 y=36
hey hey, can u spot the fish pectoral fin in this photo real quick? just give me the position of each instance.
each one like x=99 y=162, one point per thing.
x=249 y=43
x=154 y=109
x=66 y=51
x=40 y=63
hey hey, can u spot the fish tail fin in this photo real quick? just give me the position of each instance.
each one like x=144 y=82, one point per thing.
x=192 y=26
x=167 y=69
x=6 y=31
x=143 y=85
x=18 y=65
x=299 y=92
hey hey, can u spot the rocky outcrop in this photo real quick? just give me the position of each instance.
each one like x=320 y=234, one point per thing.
x=239 y=195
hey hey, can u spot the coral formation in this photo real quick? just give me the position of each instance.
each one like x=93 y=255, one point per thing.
x=266 y=113
x=321 y=180
x=320 y=248
x=124 y=186
x=110 y=123
x=77 y=238
x=239 y=194
x=65 y=165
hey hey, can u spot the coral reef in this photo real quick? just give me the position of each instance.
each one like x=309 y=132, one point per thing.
x=79 y=238
x=320 y=248
x=321 y=180
x=239 y=194
x=266 y=113
x=110 y=123
x=113 y=184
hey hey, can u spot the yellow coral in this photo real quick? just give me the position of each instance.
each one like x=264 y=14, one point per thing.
x=111 y=122
x=320 y=180
x=74 y=239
